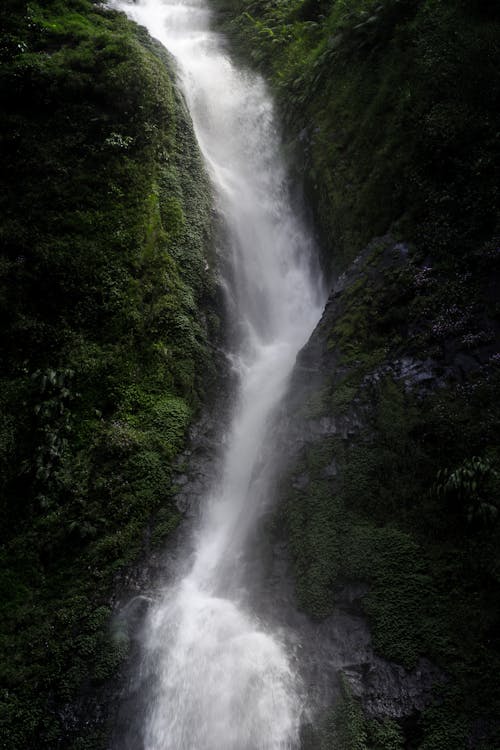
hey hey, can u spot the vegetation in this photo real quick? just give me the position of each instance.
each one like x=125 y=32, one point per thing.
x=412 y=507
x=104 y=279
x=389 y=109
x=345 y=727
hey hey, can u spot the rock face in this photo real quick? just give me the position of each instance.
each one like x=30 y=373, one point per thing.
x=371 y=422
x=339 y=648
x=120 y=703
x=108 y=335
x=383 y=553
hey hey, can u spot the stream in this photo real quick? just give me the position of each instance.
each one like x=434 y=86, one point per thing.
x=219 y=676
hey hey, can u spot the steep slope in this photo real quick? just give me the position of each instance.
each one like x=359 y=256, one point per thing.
x=390 y=505
x=390 y=110
x=393 y=422
x=107 y=305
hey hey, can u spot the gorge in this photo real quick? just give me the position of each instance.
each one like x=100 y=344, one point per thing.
x=221 y=679
x=245 y=503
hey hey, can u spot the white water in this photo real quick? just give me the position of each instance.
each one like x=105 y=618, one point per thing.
x=221 y=679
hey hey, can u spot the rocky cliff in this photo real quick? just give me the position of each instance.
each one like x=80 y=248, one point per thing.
x=107 y=299
x=389 y=517
x=384 y=546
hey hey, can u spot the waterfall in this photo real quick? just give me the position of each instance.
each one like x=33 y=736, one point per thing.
x=221 y=679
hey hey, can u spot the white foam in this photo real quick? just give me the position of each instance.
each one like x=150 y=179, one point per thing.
x=222 y=679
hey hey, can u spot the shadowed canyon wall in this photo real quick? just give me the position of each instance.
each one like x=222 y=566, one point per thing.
x=385 y=542
x=389 y=512
x=107 y=298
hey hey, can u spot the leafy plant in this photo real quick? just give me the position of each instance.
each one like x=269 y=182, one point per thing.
x=468 y=486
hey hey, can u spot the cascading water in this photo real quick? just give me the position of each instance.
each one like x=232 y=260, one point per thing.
x=221 y=679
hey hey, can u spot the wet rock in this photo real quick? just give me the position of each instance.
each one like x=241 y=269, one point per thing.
x=341 y=646
x=388 y=690
x=330 y=470
x=466 y=364
x=300 y=482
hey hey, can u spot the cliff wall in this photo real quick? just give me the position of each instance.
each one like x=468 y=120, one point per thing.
x=390 y=513
x=108 y=304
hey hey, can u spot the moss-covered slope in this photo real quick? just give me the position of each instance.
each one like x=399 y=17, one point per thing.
x=394 y=483
x=107 y=304
x=390 y=109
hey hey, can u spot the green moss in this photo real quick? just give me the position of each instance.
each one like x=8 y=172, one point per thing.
x=344 y=728
x=430 y=566
x=315 y=407
x=106 y=236
x=390 y=117
x=384 y=735
x=166 y=522
x=314 y=528
x=401 y=601
x=389 y=112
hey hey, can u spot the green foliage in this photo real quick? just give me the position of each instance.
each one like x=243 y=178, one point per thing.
x=382 y=518
x=390 y=116
x=384 y=735
x=105 y=228
x=344 y=728
x=469 y=485
x=389 y=110
x=315 y=529
x=398 y=503
x=54 y=425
